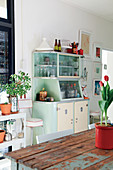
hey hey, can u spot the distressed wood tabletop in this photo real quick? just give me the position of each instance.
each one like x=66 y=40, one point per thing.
x=76 y=151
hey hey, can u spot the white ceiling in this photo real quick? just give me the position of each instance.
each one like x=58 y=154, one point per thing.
x=102 y=8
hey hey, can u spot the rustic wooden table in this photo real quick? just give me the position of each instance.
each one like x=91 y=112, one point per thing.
x=75 y=151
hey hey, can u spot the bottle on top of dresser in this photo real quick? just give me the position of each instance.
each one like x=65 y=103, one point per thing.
x=59 y=46
x=75 y=48
x=55 y=46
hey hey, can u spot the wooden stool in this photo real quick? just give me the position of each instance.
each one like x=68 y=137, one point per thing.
x=32 y=123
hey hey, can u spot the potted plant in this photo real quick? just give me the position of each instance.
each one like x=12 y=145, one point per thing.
x=6 y=108
x=104 y=131
x=2 y=135
x=18 y=85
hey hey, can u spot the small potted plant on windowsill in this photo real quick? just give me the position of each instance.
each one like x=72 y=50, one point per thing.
x=104 y=131
x=18 y=85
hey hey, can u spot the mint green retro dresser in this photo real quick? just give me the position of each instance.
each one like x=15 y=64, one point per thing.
x=59 y=74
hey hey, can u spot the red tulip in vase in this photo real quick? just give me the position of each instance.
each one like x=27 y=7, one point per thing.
x=104 y=131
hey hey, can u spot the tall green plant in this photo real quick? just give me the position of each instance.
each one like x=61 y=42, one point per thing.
x=107 y=98
x=18 y=84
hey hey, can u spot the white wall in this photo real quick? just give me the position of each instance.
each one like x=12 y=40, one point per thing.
x=35 y=19
x=110 y=74
x=54 y=19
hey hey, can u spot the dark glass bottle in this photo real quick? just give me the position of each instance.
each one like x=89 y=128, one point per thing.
x=74 y=48
x=59 y=46
x=55 y=46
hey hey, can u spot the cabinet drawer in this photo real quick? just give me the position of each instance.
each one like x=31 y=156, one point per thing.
x=65 y=116
x=81 y=116
x=81 y=107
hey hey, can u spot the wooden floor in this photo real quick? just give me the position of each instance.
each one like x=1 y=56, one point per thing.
x=75 y=151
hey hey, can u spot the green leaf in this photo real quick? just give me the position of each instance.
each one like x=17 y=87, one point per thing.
x=102 y=104
x=110 y=99
x=107 y=91
x=103 y=92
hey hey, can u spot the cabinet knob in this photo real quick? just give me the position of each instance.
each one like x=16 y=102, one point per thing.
x=71 y=119
x=76 y=118
x=86 y=104
x=76 y=121
x=71 y=122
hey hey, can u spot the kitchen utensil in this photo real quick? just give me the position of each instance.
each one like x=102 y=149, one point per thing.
x=8 y=136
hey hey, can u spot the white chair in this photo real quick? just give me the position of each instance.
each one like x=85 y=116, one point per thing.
x=95 y=114
x=5 y=164
x=51 y=136
x=32 y=123
x=91 y=126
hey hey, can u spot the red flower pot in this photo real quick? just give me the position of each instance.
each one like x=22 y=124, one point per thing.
x=104 y=137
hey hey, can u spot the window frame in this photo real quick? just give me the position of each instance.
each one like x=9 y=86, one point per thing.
x=8 y=25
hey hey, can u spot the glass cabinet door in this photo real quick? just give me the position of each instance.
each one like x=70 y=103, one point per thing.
x=45 y=65
x=70 y=89
x=68 y=66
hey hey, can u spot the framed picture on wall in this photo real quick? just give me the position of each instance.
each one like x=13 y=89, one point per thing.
x=97 y=71
x=96 y=87
x=85 y=42
x=97 y=52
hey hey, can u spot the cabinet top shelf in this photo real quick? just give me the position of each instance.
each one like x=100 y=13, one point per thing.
x=56 y=66
x=60 y=53
x=60 y=78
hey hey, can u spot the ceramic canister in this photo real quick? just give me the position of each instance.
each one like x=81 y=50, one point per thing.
x=14 y=101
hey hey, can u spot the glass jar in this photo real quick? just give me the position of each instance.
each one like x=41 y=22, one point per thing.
x=48 y=72
x=52 y=72
x=45 y=72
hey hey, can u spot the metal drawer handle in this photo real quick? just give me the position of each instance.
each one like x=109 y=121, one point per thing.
x=81 y=109
x=65 y=111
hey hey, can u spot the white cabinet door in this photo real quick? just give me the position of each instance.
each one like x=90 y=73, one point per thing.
x=81 y=116
x=65 y=116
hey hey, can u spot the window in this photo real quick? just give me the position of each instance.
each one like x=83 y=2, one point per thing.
x=3 y=9
x=7 y=58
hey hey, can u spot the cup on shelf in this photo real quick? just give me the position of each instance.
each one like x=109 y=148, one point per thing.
x=45 y=72
x=38 y=72
x=52 y=72
x=75 y=64
x=41 y=71
x=48 y=72
x=46 y=60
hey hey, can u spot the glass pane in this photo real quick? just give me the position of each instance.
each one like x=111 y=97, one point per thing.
x=70 y=89
x=4 y=69
x=3 y=9
x=45 y=65
x=69 y=65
